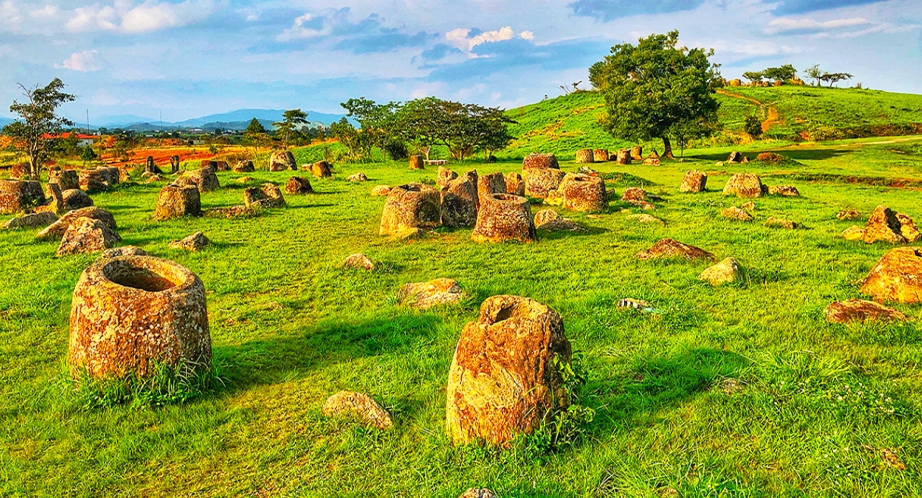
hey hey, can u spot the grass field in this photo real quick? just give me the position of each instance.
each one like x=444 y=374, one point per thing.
x=742 y=390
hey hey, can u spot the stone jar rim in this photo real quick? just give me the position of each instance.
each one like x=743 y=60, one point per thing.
x=145 y=275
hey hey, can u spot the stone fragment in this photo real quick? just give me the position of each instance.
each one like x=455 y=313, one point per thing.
x=515 y=184
x=859 y=310
x=735 y=158
x=550 y=220
x=231 y=212
x=267 y=196
x=57 y=229
x=637 y=153
x=773 y=222
x=694 y=182
x=671 y=248
x=504 y=378
x=444 y=177
x=424 y=295
x=848 y=214
x=244 y=166
x=282 y=160
x=74 y=199
x=897 y=277
x=728 y=270
x=744 y=185
x=735 y=213
x=478 y=493
x=117 y=252
x=491 y=183
x=66 y=179
x=20 y=196
x=503 y=217
x=32 y=220
x=359 y=261
x=131 y=313
x=357 y=177
x=381 y=191
x=853 y=233
x=358 y=406
x=883 y=225
x=205 y=179
x=908 y=228
x=298 y=185
x=176 y=201
x=87 y=235
x=322 y=169
x=459 y=200
x=646 y=219
x=193 y=243
x=784 y=190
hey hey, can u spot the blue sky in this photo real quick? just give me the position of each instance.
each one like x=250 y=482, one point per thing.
x=194 y=57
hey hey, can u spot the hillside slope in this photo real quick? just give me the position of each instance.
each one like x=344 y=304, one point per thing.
x=564 y=124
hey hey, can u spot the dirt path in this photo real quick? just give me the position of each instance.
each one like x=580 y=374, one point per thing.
x=773 y=116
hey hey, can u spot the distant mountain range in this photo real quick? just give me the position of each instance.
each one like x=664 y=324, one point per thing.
x=5 y=121
x=234 y=120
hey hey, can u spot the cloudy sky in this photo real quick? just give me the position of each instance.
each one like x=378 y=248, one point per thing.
x=195 y=57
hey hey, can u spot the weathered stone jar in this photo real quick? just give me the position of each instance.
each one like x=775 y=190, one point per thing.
x=583 y=193
x=132 y=312
x=411 y=206
x=504 y=217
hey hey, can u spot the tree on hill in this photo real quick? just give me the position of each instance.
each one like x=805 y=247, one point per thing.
x=379 y=122
x=754 y=76
x=256 y=136
x=815 y=73
x=833 y=78
x=657 y=90
x=462 y=128
x=33 y=132
x=786 y=72
x=290 y=125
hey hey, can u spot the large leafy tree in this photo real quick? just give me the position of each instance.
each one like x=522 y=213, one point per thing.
x=290 y=125
x=379 y=122
x=38 y=122
x=461 y=128
x=256 y=136
x=657 y=90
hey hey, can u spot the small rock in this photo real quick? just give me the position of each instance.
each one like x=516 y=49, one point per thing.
x=381 y=191
x=231 y=212
x=784 y=191
x=735 y=213
x=195 y=242
x=359 y=406
x=358 y=177
x=748 y=206
x=848 y=214
x=646 y=218
x=359 y=261
x=853 y=233
x=33 y=220
x=57 y=229
x=728 y=270
x=633 y=304
x=86 y=235
x=269 y=196
x=859 y=310
x=744 y=185
x=116 y=252
x=908 y=228
x=244 y=179
x=298 y=185
x=883 y=225
x=694 y=182
x=550 y=220
x=781 y=223
x=478 y=493
x=731 y=386
x=424 y=295
x=896 y=277
x=74 y=199
x=671 y=248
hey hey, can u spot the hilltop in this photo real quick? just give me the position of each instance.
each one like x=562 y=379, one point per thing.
x=790 y=113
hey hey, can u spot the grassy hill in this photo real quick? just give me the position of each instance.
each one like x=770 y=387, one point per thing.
x=564 y=124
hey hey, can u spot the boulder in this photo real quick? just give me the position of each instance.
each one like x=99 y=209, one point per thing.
x=20 y=196
x=853 y=233
x=784 y=191
x=859 y=310
x=770 y=157
x=424 y=295
x=33 y=220
x=381 y=191
x=773 y=222
x=671 y=248
x=728 y=270
x=74 y=199
x=282 y=160
x=358 y=406
x=492 y=183
x=584 y=156
x=99 y=179
x=883 y=225
x=131 y=313
x=298 y=185
x=244 y=179
x=204 y=178
x=57 y=229
x=230 y=212
x=322 y=169
x=848 y=214
x=174 y=164
x=411 y=206
x=537 y=160
x=176 y=201
x=639 y=197
x=444 y=177
x=600 y=155
x=896 y=277
x=459 y=201
x=504 y=378
x=744 y=185
x=416 y=162
x=515 y=184
x=734 y=158
x=550 y=220
x=267 y=196
x=244 y=167
x=694 y=182
x=624 y=156
x=583 y=193
x=357 y=177
x=151 y=167
x=65 y=179
x=637 y=153
x=359 y=261
x=117 y=252
x=503 y=217
x=748 y=206
x=908 y=228
x=539 y=181
x=87 y=235
x=194 y=243
x=735 y=213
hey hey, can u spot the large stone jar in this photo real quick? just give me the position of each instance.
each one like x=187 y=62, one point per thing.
x=131 y=313
x=504 y=217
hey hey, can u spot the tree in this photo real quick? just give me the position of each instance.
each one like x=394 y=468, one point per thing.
x=461 y=128
x=754 y=76
x=834 y=78
x=815 y=73
x=87 y=154
x=256 y=136
x=38 y=124
x=379 y=123
x=290 y=125
x=753 y=126
x=786 y=72
x=350 y=138
x=655 y=90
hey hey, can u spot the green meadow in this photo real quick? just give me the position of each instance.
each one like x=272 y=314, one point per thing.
x=739 y=390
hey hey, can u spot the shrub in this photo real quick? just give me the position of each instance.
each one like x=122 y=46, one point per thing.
x=753 y=126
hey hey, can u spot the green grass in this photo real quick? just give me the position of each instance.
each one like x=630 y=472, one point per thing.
x=817 y=401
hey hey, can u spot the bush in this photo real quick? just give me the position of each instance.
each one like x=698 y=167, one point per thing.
x=753 y=126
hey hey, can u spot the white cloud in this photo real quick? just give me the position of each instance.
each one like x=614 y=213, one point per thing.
x=299 y=31
x=126 y=17
x=82 y=61
x=527 y=35
x=45 y=12
x=9 y=13
x=786 y=24
x=460 y=38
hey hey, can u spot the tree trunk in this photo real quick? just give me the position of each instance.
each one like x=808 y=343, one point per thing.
x=667 y=148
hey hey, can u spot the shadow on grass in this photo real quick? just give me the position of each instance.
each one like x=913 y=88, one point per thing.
x=810 y=154
x=297 y=354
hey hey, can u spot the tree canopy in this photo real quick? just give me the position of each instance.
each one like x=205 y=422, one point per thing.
x=290 y=125
x=38 y=122
x=657 y=90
